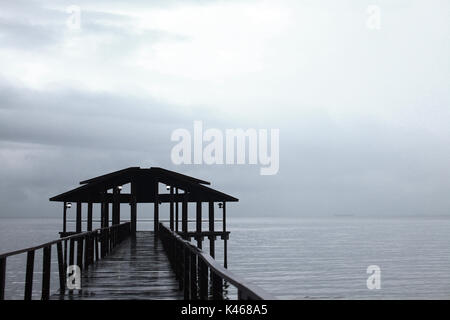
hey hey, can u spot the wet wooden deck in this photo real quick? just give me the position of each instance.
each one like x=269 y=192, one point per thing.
x=136 y=269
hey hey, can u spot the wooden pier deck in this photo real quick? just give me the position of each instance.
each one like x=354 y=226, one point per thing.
x=137 y=269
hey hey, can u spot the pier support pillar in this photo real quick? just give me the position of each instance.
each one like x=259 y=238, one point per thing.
x=78 y=221
x=184 y=216
x=171 y=209
x=176 y=211
x=198 y=221
x=116 y=207
x=65 y=217
x=224 y=223
x=156 y=208
x=133 y=209
x=212 y=250
x=89 y=217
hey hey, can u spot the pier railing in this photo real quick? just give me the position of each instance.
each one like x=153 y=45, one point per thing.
x=88 y=247
x=199 y=275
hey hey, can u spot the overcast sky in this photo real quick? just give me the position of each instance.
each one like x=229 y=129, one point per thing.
x=363 y=113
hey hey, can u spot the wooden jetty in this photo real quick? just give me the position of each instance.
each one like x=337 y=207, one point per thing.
x=119 y=262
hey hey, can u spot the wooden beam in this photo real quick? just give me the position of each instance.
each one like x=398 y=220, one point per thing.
x=145 y=198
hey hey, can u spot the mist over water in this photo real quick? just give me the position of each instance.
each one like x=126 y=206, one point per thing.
x=303 y=258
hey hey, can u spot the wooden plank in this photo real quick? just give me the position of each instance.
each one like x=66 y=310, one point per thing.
x=137 y=269
x=29 y=276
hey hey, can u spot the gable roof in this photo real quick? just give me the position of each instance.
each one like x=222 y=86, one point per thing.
x=94 y=189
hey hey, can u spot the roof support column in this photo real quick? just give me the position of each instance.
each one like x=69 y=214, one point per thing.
x=133 y=209
x=89 y=217
x=116 y=206
x=184 y=218
x=171 y=208
x=78 y=222
x=198 y=221
x=212 y=249
x=65 y=217
x=176 y=211
x=156 y=208
x=105 y=214
x=225 y=237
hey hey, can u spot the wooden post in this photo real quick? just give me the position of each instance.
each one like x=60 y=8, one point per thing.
x=203 y=279
x=65 y=218
x=184 y=216
x=2 y=278
x=29 y=275
x=224 y=223
x=211 y=228
x=89 y=217
x=186 y=283
x=71 y=251
x=61 y=270
x=156 y=208
x=217 y=285
x=116 y=206
x=106 y=215
x=193 y=279
x=198 y=221
x=46 y=273
x=80 y=253
x=133 y=208
x=171 y=208
x=78 y=223
x=176 y=210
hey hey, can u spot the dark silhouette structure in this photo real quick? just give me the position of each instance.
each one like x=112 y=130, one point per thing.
x=188 y=271
x=145 y=188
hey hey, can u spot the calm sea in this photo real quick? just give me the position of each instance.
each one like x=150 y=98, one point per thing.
x=299 y=258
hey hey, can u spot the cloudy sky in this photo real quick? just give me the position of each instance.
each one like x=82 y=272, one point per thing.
x=363 y=112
